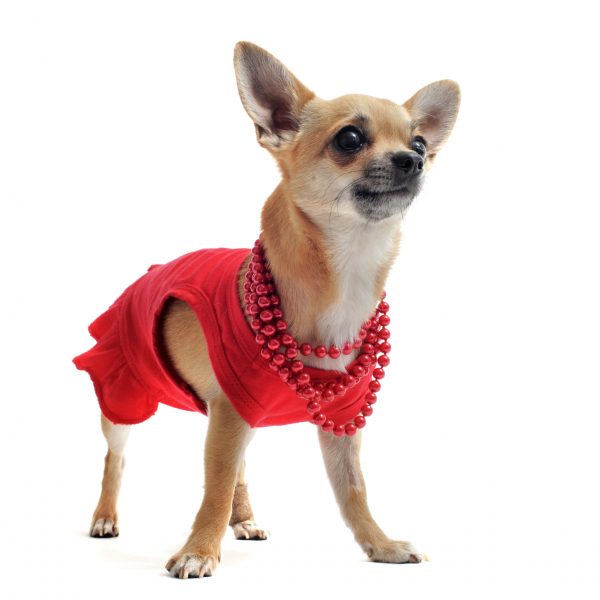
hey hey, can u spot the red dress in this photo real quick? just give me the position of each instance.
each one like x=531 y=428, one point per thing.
x=127 y=363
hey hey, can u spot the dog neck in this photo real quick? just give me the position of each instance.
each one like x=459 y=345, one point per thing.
x=329 y=274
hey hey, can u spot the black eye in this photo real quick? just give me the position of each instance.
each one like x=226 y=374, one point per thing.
x=349 y=139
x=419 y=145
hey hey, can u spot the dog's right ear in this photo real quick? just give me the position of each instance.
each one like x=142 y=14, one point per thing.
x=270 y=93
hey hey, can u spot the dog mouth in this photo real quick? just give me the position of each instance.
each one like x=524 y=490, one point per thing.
x=365 y=193
x=377 y=203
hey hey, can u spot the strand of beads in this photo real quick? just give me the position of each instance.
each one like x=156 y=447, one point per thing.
x=280 y=349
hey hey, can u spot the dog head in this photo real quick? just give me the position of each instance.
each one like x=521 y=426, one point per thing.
x=356 y=155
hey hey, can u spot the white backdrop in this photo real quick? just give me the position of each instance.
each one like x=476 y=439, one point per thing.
x=123 y=143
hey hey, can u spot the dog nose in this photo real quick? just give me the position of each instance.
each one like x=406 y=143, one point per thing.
x=408 y=163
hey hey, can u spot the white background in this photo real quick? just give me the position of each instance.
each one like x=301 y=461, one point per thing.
x=123 y=143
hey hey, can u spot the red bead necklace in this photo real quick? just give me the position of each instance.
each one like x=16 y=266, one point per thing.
x=280 y=349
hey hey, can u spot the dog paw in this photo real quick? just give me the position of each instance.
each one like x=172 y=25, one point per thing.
x=393 y=552
x=105 y=527
x=248 y=530
x=189 y=565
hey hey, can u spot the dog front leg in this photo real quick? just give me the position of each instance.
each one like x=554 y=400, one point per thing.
x=227 y=438
x=341 y=456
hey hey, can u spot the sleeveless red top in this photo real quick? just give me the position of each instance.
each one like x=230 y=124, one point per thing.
x=127 y=365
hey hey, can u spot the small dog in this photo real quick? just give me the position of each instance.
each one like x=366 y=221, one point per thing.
x=206 y=332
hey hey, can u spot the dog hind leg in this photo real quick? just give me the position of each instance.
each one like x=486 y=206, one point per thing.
x=104 y=521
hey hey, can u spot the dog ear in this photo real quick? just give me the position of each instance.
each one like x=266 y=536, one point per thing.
x=434 y=109
x=270 y=93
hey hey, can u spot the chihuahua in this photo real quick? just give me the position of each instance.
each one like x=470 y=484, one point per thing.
x=350 y=169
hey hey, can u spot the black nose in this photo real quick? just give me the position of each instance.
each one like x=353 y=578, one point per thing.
x=408 y=163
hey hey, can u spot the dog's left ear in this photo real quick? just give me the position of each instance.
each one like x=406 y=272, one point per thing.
x=434 y=109
x=270 y=93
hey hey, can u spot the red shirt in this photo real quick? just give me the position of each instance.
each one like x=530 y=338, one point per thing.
x=129 y=372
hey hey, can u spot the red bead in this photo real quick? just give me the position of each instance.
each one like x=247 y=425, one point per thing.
x=374 y=386
x=260 y=339
x=292 y=383
x=364 y=359
x=261 y=289
x=370 y=397
x=320 y=352
x=266 y=316
x=384 y=334
x=268 y=330
x=328 y=425
x=275 y=300
x=277 y=314
x=303 y=378
x=350 y=429
x=328 y=395
x=256 y=324
x=339 y=389
x=291 y=353
x=368 y=348
x=263 y=302
x=286 y=339
x=296 y=366
x=279 y=359
x=383 y=307
x=274 y=366
x=257 y=248
x=273 y=344
x=384 y=360
x=258 y=278
x=358 y=371
x=319 y=418
x=334 y=352
x=339 y=430
x=367 y=410
x=252 y=309
x=384 y=320
x=347 y=349
x=357 y=343
x=313 y=406
x=305 y=349
x=281 y=325
x=378 y=373
x=270 y=288
x=362 y=334
x=360 y=421
x=384 y=347
x=350 y=381
x=284 y=373
x=371 y=337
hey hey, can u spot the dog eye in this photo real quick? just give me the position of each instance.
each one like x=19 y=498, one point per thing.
x=349 y=139
x=419 y=145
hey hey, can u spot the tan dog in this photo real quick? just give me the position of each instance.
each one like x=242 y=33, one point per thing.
x=350 y=169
